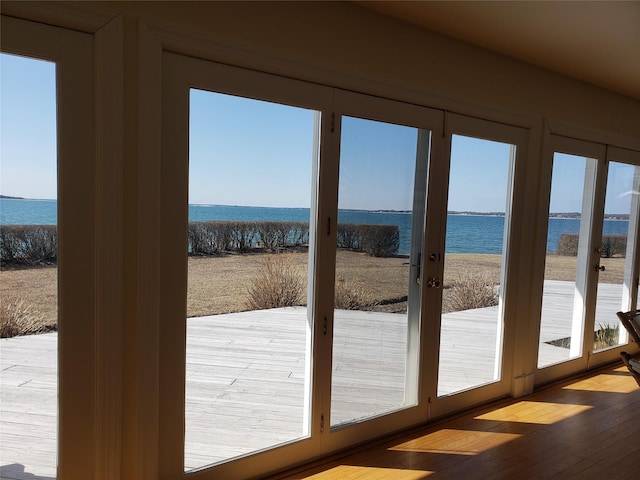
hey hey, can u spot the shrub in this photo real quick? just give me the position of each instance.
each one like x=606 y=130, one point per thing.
x=375 y=240
x=275 y=236
x=351 y=295
x=198 y=239
x=380 y=240
x=299 y=234
x=277 y=283
x=612 y=245
x=19 y=318
x=28 y=244
x=568 y=245
x=210 y=238
x=243 y=235
x=605 y=336
x=469 y=291
x=270 y=235
x=10 y=245
x=348 y=236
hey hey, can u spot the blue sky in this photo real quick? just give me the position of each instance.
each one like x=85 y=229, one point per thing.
x=248 y=152
x=27 y=128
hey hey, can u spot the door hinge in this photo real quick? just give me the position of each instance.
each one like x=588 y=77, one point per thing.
x=328 y=226
x=322 y=423
x=325 y=327
x=333 y=121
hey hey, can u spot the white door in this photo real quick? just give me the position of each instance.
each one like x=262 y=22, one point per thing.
x=591 y=263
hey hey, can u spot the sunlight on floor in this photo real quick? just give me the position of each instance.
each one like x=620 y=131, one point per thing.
x=456 y=442
x=351 y=472
x=544 y=413
x=606 y=382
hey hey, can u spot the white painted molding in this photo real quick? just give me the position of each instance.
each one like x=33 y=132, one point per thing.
x=226 y=52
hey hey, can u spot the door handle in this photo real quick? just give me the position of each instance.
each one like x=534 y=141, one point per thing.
x=599 y=268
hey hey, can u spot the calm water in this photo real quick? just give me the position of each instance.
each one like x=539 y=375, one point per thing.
x=465 y=233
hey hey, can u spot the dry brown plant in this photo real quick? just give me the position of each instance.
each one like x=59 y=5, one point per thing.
x=277 y=283
x=17 y=317
x=351 y=295
x=467 y=291
x=218 y=284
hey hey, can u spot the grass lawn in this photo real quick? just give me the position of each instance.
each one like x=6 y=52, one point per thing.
x=220 y=284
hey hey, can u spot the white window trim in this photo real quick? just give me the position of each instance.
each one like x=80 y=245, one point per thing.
x=79 y=261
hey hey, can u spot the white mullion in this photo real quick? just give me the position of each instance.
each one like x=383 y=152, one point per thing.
x=582 y=307
x=435 y=243
x=327 y=214
x=416 y=262
x=593 y=254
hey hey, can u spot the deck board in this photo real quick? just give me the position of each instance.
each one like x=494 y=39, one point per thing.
x=245 y=376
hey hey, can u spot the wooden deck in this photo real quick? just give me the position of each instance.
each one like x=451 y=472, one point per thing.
x=245 y=377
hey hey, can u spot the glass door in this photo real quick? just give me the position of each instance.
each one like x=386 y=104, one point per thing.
x=384 y=151
x=248 y=325
x=591 y=262
x=240 y=338
x=471 y=322
x=617 y=290
x=468 y=268
x=477 y=216
x=568 y=245
x=378 y=268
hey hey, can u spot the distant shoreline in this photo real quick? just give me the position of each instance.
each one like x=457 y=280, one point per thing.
x=554 y=215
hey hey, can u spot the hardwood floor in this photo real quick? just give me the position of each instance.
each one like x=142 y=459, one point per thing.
x=582 y=428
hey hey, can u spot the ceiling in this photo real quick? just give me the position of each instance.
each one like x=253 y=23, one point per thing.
x=594 y=41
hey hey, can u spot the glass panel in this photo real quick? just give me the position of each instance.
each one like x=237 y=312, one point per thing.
x=562 y=325
x=377 y=296
x=29 y=275
x=613 y=294
x=248 y=328
x=471 y=323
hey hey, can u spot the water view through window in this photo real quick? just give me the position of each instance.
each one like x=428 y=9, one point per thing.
x=29 y=275
x=567 y=273
x=248 y=326
x=377 y=293
x=473 y=276
x=614 y=277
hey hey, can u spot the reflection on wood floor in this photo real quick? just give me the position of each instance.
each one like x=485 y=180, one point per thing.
x=583 y=428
